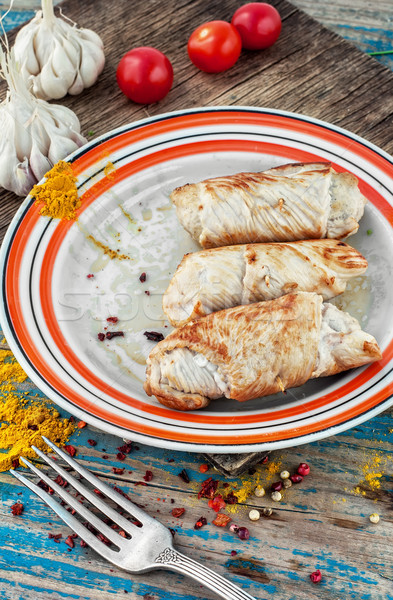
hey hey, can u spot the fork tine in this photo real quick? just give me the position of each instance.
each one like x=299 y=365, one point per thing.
x=66 y=516
x=114 y=537
x=90 y=496
x=129 y=506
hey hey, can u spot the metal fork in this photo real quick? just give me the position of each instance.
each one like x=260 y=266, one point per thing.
x=149 y=547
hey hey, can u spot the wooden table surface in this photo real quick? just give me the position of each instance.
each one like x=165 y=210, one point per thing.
x=322 y=523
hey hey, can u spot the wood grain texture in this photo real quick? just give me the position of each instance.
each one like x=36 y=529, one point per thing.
x=315 y=73
x=321 y=523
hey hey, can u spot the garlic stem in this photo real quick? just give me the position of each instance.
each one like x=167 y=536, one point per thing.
x=48 y=13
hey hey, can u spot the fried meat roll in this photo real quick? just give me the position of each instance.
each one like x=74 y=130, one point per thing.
x=255 y=350
x=218 y=278
x=292 y=202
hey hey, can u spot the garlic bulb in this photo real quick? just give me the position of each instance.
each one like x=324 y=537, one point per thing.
x=34 y=134
x=59 y=58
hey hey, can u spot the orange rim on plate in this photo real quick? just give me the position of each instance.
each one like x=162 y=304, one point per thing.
x=167 y=139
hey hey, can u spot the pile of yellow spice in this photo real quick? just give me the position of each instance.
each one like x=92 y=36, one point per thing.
x=58 y=194
x=23 y=419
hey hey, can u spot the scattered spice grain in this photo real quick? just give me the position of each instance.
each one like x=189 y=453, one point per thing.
x=153 y=336
x=17 y=509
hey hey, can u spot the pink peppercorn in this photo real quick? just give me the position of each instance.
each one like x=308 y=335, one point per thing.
x=234 y=528
x=296 y=478
x=303 y=469
x=316 y=576
x=243 y=533
x=276 y=486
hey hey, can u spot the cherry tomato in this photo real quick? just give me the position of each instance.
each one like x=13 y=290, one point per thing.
x=214 y=46
x=258 y=23
x=145 y=75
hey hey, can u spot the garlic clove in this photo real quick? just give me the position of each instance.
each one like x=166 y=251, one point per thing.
x=92 y=36
x=15 y=175
x=50 y=84
x=62 y=65
x=92 y=63
x=77 y=86
x=22 y=140
x=39 y=163
x=60 y=148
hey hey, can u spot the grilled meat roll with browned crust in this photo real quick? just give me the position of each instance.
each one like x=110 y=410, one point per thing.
x=255 y=350
x=211 y=280
x=292 y=202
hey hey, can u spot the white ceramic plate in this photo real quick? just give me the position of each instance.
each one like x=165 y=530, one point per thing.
x=51 y=311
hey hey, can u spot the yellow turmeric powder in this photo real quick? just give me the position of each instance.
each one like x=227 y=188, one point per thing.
x=24 y=420
x=58 y=194
x=110 y=170
x=247 y=484
x=373 y=472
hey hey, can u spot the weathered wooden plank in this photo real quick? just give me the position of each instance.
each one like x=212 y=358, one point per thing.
x=281 y=552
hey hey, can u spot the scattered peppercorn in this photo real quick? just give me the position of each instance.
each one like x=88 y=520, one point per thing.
x=111 y=334
x=287 y=483
x=142 y=277
x=217 y=503
x=101 y=336
x=126 y=448
x=208 y=489
x=120 y=456
x=17 y=509
x=92 y=442
x=267 y=512
x=316 y=576
x=233 y=552
x=61 y=482
x=276 y=486
x=231 y=498
x=374 y=518
x=296 y=478
x=200 y=523
x=45 y=486
x=276 y=496
x=234 y=528
x=148 y=476
x=243 y=533
x=184 y=476
x=284 y=474
x=70 y=449
x=221 y=520
x=254 y=515
x=259 y=491
x=153 y=336
x=303 y=469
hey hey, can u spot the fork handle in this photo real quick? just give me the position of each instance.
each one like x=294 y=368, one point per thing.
x=175 y=561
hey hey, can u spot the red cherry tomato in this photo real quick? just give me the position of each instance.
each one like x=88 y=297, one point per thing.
x=259 y=25
x=214 y=46
x=145 y=75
